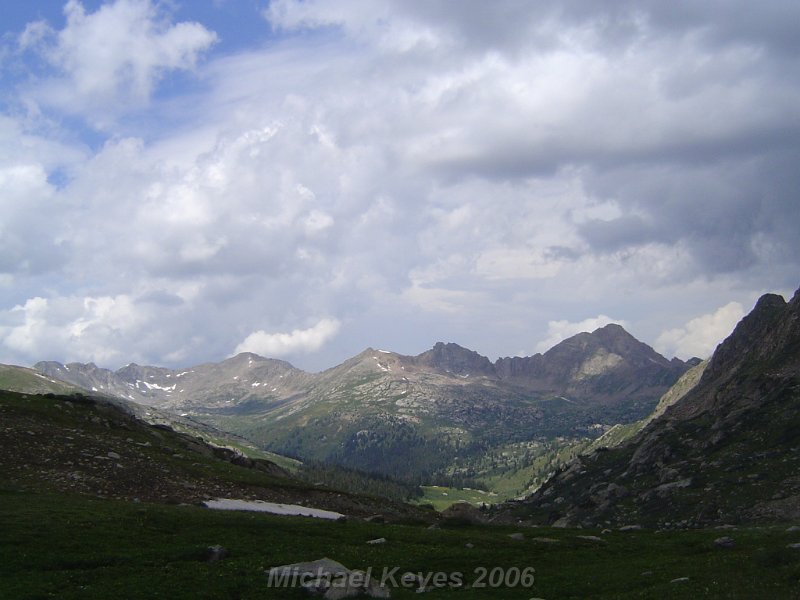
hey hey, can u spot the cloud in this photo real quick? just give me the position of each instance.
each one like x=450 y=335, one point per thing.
x=113 y=57
x=415 y=171
x=26 y=198
x=503 y=263
x=558 y=331
x=299 y=341
x=700 y=336
x=86 y=329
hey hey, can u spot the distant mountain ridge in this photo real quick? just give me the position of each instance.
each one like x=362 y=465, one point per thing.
x=586 y=366
x=406 y=416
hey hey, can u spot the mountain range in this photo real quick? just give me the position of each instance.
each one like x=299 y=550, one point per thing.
x=443 y=413
x=602 y=429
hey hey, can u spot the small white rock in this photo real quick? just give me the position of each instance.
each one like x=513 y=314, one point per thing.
x=377 y=541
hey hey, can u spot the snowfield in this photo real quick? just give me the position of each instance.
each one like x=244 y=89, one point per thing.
x=271 y=507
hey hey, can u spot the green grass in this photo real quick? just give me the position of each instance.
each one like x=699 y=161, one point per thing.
x=249 y=449
x=67 y=547
x=441 y=497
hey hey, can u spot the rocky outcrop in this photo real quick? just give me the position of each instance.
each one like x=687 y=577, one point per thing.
x=463 y=513
x=452 y=358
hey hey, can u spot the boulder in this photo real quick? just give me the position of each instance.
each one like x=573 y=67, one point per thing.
x=216 y=553
x=329 y=579
x=463 y=512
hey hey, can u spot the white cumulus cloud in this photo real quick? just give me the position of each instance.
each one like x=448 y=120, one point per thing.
x=112 y=56
x=701 y=335
x=297 y=341
x=91 y=328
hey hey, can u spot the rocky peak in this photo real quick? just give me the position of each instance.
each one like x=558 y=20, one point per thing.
x=456 y=359
x=588 y=354
x=757 y=336
x=133 y=373
x=248 y=360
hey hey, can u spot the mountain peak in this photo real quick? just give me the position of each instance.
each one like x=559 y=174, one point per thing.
x=757 y=336
x=456 y=359
x=613 y=338
x=613 y=329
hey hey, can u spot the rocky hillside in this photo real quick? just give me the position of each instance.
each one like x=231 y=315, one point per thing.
x=20 y=379
x=621 y=433
x=94 y=446
x=728 y=451
x=407 y=416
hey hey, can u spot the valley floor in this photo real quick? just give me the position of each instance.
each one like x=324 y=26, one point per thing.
x=70 y=546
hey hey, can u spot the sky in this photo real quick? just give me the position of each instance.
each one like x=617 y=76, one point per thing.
x=184 y=180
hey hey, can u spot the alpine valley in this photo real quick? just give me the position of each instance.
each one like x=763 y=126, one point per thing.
x=447 y=416
x=626 y=465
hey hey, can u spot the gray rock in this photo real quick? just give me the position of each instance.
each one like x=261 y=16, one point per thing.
x=665 y=488
x=464 y=511
x=562 y=523
x=793 y=529
x=377 y=541
x=332 y=580
x=725 y=542
x=322 y=566
x=113 y=455
x=668 y=474
x=516 y=536
x=680 y=580
x=545 y=540
x=591 y=538
x=794 y=546
x=216 y=553
x=630 y=528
